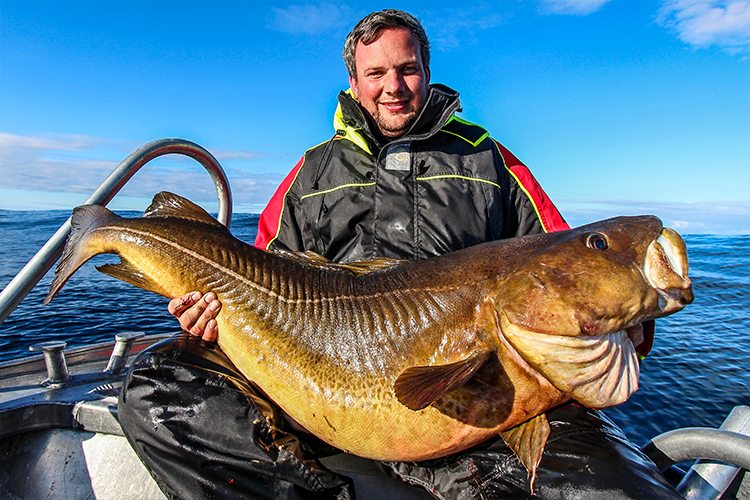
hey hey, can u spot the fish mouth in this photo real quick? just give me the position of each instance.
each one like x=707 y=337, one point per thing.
x=666 y=269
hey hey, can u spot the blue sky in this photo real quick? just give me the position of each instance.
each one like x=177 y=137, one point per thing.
x=618 y=107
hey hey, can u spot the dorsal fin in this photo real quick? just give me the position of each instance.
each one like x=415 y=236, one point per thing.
x=308 y=258
x=166 y=204
x=368 y=266
x=312 y=259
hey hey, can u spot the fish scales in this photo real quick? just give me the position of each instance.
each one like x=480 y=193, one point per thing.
x=338 y=309
x=396 y=360
x=320 y=293
x=319 y=290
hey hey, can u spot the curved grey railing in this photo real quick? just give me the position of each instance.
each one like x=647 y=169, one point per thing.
x=46 y=257
x=692 y=443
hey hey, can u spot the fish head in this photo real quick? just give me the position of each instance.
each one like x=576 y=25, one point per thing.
x=600 y=278
x=566 y=307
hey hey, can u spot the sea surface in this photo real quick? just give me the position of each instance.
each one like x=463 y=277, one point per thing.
x=697 y=372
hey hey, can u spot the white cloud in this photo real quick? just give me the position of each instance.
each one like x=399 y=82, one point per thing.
x=79 y=164
x=12 y=142
x=727 y=217
x=447 y=30
x=572 y=7
x=224 y=155
x=312 y=19
x=702 y=23
x=43 y=163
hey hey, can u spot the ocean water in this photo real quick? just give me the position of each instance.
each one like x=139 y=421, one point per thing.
x=697 y=372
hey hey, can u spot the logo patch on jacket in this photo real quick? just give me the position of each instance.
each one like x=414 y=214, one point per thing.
x=398 y=157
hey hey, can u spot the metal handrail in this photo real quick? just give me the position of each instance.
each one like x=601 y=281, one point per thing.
x=45 y=258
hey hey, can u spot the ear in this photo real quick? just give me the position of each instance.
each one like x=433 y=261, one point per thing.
x=353 y=85
x=427 y=75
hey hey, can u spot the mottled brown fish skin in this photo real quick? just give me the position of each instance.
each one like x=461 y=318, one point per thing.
x=328 y=343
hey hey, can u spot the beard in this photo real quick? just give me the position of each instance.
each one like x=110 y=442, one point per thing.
x=395 y=125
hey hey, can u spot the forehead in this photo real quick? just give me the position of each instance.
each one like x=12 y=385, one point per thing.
x=393 y=46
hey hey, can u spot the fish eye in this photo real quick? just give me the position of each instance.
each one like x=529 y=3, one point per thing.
x=597 y=241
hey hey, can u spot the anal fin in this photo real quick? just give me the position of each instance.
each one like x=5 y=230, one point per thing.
x=129 y=274
x=527 y=441
x=420 y=386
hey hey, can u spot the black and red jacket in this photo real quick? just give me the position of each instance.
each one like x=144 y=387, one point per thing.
x=443 y=186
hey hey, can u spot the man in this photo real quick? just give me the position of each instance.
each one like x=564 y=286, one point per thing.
x=403 y=177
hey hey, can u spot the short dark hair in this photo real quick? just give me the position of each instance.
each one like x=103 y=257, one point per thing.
x=369 y=28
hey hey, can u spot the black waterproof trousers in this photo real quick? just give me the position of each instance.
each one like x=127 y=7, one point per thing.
x=203 y=432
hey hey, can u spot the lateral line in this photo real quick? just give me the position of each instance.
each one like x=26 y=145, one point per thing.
x=243 y=279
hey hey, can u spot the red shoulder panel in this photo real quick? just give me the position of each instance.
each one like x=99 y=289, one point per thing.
x=548 y=214
x=270 y=219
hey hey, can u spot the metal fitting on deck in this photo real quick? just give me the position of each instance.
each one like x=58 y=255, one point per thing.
x=121 y=351
x=54 y=359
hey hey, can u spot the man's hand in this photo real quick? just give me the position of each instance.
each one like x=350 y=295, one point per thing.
x=636 y=334
x=196 y=313
x=642 y=336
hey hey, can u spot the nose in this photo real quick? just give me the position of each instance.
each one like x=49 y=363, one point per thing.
x=394 y=82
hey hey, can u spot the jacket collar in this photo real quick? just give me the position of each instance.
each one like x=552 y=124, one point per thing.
x=350 y=122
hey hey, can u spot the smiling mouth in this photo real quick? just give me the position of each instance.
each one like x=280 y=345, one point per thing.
x=395 y=106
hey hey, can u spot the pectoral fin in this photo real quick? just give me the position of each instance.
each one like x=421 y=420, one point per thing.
x=126 y=272
x=527 y=441
x=420 y=386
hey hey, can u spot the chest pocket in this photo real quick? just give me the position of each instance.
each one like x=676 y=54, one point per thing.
x=338 y=217
x=457 y=211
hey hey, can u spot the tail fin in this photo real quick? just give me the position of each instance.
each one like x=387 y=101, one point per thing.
x=84 y=220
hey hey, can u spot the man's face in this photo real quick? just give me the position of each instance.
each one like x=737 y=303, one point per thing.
x=391 y=83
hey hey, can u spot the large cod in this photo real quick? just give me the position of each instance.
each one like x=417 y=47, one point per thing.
x=412 y=360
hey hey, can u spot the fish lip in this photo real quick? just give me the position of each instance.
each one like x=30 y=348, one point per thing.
x=666 y=270
x=674 y=249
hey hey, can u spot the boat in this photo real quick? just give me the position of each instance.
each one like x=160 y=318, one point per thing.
x=60 y=436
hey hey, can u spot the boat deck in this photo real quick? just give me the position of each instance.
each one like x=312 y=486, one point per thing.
x=63 y=440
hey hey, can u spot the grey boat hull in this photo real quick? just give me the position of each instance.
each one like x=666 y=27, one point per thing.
x=63 y=440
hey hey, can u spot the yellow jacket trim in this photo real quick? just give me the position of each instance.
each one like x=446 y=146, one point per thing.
x=461 y=120
x=453 y=176
x=343 y=186
x=352 y=133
